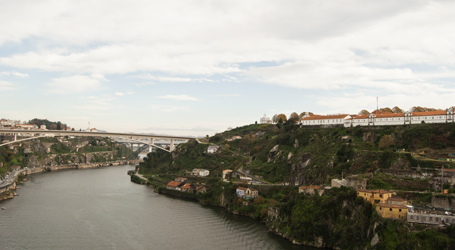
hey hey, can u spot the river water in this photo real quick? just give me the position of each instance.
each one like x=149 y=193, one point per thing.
x=102 y=209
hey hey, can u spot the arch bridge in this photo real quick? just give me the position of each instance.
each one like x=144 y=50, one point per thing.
x=33 y=134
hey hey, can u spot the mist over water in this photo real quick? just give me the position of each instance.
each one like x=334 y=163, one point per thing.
x=102 y=209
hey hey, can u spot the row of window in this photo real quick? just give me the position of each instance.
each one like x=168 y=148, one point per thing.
x=390 y=209
x=430 y=219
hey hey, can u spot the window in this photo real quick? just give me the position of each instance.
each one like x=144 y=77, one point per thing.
x=412 y=217
x=431 y=219
x=390 y=209
x=399 y=210
x=424 y=218
x=380 y=208
x=417 y=217
x=436 y=219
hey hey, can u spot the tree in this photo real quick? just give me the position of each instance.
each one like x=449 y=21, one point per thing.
x=226 y=146
x=281 y=118
x=53 y=127
x=364 y=112
x=386 y=141
x=387 y=110
x=274 y=119
x=397 y=110
x=294 y=117
x=258 y=200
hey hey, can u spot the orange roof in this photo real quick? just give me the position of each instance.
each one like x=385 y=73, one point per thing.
x=199 y=188
x=324 y=117
x=310 y=186
x=242 y=188
x=187 y=186
x=174 y=183
x=360 y=116
x=427 y=113
x=386 y=114
x=449 y=170
x=391 y=205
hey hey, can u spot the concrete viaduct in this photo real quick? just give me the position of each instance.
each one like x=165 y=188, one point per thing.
x=131 y=136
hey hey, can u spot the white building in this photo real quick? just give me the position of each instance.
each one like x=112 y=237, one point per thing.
x=200 y=172
x=212 y=149
x=265 y=120
x=378 y=118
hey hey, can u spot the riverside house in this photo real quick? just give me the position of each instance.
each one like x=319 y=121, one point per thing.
x=200 y=172
x=201 y=189
x=174 y=185
x=188 y=187
x=181 y=179
x=247 y=193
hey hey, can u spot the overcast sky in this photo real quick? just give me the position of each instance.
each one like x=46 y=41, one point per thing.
x=199 y=67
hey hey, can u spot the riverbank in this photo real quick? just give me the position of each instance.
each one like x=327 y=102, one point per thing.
x=19 y=176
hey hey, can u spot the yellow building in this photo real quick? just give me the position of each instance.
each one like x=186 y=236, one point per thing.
x=392 y=211
x=374 y=196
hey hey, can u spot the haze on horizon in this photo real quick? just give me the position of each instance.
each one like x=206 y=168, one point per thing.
x=199 y=67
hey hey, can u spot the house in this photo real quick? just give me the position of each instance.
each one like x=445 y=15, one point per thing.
x=174 y=185
x=265 y=120
x=374 y=196
x=201 y=189
x=200 y=172
x=181 y=179
x=247 y=193
x=392 y=211
x=396 y=201
x=311 y=189
x=187 y=188
x=318 y=120
x=212 y=149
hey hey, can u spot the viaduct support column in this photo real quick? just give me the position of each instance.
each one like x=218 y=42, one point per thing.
x=15 y=137
x=171 y=146
x=152 y=143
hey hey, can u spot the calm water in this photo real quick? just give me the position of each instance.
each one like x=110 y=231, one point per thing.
x=102 y=209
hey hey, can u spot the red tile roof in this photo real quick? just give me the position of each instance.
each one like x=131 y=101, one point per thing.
x=174 y=183
x=187 y=186
x=395 y=199
x=427 y=113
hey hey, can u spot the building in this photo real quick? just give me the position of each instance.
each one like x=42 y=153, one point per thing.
x=265 y=120
x=187 y=188
x=379 y=118
x=392 y=211
x=200 y=172
x=374 y=196
x=174 y=185
x=319 y=120
x=212 y=149
x=311 y=190
x=432 y=219
x=247 y=193
x=181 y=179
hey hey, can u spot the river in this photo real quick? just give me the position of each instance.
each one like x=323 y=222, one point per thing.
x=102 y=209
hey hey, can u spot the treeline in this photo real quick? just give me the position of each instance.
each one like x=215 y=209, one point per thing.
x=49 y=124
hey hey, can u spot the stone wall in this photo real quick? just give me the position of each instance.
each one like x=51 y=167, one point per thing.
x=447 y=202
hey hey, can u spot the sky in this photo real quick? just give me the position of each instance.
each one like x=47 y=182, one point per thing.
x=199 y=67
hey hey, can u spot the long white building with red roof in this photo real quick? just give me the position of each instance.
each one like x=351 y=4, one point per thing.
x=378 y=118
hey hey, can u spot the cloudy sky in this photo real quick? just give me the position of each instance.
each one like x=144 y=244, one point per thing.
x=199 y=67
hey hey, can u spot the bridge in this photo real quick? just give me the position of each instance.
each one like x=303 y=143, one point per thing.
x=130 y=136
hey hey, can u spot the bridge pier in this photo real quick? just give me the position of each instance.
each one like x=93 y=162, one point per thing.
x=171 y=146
x=15 y=137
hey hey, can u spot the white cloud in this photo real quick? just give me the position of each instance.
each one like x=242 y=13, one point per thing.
x=75 y=84
x=119 y=93
x=178 y=97
x=6 y=85
x=14 y=73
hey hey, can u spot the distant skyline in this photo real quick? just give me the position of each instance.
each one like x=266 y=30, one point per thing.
x=199 y=67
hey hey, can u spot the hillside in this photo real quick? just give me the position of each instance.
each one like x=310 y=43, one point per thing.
x=405 y=159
